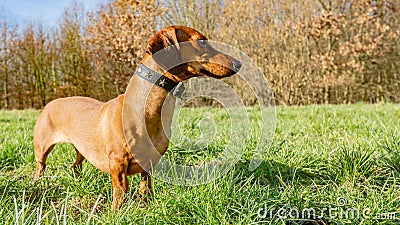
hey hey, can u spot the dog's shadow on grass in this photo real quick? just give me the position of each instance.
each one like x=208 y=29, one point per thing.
x=56 y=187
x=278 y=177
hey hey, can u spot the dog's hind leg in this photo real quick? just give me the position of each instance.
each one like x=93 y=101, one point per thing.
x=45 y=137
x=41 y=153
x=78 y=162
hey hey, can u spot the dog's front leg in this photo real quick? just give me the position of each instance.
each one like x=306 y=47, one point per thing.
x=120 y=184
x=146 y=187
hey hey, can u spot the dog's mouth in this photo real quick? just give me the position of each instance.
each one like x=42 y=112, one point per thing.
x=210 y=69
x=207 y=73
x=210 y=74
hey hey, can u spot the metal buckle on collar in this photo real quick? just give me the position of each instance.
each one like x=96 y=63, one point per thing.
x=178 y=90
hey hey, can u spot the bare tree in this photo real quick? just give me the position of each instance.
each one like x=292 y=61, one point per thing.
x=74 y=68
x=311 y=51
x=117 y=37
x=8 y=33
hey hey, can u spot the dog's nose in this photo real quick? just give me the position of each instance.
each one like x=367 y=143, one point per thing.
x=236 y=65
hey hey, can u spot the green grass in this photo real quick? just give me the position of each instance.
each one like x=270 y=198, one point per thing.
x=337 y=157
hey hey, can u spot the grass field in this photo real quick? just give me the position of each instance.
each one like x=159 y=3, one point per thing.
x=342 y=162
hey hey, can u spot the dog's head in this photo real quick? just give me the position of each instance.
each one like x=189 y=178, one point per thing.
x=185 y=53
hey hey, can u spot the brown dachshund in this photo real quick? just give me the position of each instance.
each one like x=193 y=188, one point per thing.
x=128 y=134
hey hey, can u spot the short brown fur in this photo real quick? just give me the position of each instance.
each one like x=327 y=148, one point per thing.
x=95 y=128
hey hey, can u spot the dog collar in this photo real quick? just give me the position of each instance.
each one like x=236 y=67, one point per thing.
x=176 y=88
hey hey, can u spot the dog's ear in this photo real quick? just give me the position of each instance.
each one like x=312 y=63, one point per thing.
x=164 y=38
x=170 y=56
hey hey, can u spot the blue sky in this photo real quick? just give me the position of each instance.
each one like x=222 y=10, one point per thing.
x=47 y=11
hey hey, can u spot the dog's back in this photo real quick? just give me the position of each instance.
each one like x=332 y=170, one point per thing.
x=59 y=117
x=59 y=123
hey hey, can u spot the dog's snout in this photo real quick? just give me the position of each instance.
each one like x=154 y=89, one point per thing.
x=236 y=65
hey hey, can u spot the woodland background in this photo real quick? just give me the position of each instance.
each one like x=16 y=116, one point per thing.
x=311 y=51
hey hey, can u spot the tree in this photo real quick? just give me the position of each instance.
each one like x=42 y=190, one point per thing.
x=117 y=38
x=73 y=68
x=8 y=33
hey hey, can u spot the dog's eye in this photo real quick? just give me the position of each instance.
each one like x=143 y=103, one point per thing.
x=202 y=43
